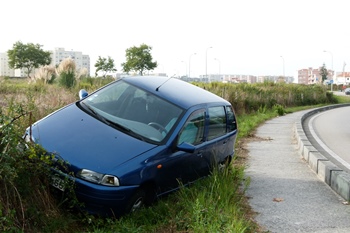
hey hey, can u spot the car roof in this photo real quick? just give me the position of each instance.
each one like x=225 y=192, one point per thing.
x=181 y=93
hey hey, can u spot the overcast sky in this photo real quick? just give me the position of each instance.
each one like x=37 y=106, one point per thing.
x=246 y=36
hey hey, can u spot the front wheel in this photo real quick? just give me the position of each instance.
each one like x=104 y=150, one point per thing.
x=137 y=201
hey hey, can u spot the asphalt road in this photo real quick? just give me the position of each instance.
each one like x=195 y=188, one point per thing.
x=331 y=130
x=285 y=193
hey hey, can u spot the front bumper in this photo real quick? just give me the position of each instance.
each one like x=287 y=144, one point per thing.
x=99 y=199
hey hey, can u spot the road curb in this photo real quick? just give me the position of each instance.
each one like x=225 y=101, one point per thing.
x=326 y=171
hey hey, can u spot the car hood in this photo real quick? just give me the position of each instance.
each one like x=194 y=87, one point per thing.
x=85 y=142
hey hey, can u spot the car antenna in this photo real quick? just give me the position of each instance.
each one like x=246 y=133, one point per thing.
x=165 y=82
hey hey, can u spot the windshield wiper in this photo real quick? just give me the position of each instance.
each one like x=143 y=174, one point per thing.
x=114 y=124
x=99 y=116
x=125 y=129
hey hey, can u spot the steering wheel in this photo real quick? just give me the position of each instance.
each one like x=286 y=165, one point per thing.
x=158 y=127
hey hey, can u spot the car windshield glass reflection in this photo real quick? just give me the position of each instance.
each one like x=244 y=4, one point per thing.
x=134 y=109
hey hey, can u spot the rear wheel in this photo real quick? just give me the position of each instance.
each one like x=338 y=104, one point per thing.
x=224 y=164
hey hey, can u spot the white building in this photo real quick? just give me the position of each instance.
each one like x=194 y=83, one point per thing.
x=342 y=78
x=57 y=55
x=81 y=60
x=22 y=72
x=4 y=66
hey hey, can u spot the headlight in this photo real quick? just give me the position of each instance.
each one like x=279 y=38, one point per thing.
x=27 y=138
x=98 y=178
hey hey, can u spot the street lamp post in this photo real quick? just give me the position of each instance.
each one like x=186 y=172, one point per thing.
x=331 y=57
x=206 y=63
x=325 y=51
x=185 y=68
x=189 y=65
x=283 y=66
x=219 y=64
x=219 y=76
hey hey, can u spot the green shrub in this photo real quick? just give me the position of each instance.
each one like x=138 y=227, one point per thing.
x=26 y=204
x=279 y=109
x=67 y=79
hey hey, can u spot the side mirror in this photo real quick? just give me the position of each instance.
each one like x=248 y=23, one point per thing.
x=83 y=94
x=186 y=147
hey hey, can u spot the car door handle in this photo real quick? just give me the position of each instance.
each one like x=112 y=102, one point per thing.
x=200 y=153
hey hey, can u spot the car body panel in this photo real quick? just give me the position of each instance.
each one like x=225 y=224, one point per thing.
x=175 y=91
x=98 y=146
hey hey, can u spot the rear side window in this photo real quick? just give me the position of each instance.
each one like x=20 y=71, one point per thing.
x=231 y=119
x=217 y=122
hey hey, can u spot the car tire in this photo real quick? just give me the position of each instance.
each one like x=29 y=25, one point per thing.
x=224 y=164
x=137 y=201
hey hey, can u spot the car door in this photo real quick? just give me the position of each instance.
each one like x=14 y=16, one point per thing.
x=186 y=163
x=220 y=142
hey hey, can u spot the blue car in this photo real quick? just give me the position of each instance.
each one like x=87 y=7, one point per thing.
x=136 y=139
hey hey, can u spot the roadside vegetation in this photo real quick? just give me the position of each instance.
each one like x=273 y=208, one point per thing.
x=215 y=204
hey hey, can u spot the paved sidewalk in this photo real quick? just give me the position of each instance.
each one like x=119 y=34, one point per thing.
x=284 y=191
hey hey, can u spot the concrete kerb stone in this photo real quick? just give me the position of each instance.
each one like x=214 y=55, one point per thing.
x=314 y=158
x=302 y=149
x=340 y=183
x=298 y=127
x=300 y=136
x=325 y=169
x=328 y=172
x=302 y=140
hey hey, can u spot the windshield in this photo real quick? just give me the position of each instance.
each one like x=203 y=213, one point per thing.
x=133 y=110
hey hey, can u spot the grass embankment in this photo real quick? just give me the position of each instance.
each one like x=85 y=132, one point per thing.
x=214 y=204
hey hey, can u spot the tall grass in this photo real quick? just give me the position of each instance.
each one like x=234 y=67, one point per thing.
x=249 y=98
x=213 y=204
x=66 y=73
x=45 y=74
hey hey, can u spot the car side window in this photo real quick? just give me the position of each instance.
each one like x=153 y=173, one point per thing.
x=231 y=119
x=217 y=122
x=193 y=130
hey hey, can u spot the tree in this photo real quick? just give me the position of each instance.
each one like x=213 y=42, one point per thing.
x=28 y=56
x=323 y=72
x=105 y=64
x=139 y=59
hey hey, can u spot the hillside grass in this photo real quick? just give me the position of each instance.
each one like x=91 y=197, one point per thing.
x=214 y=204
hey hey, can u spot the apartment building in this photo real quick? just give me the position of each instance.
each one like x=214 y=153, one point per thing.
x=4 y=66
x=312 y=76
x=81 y=60
x=238 y=78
